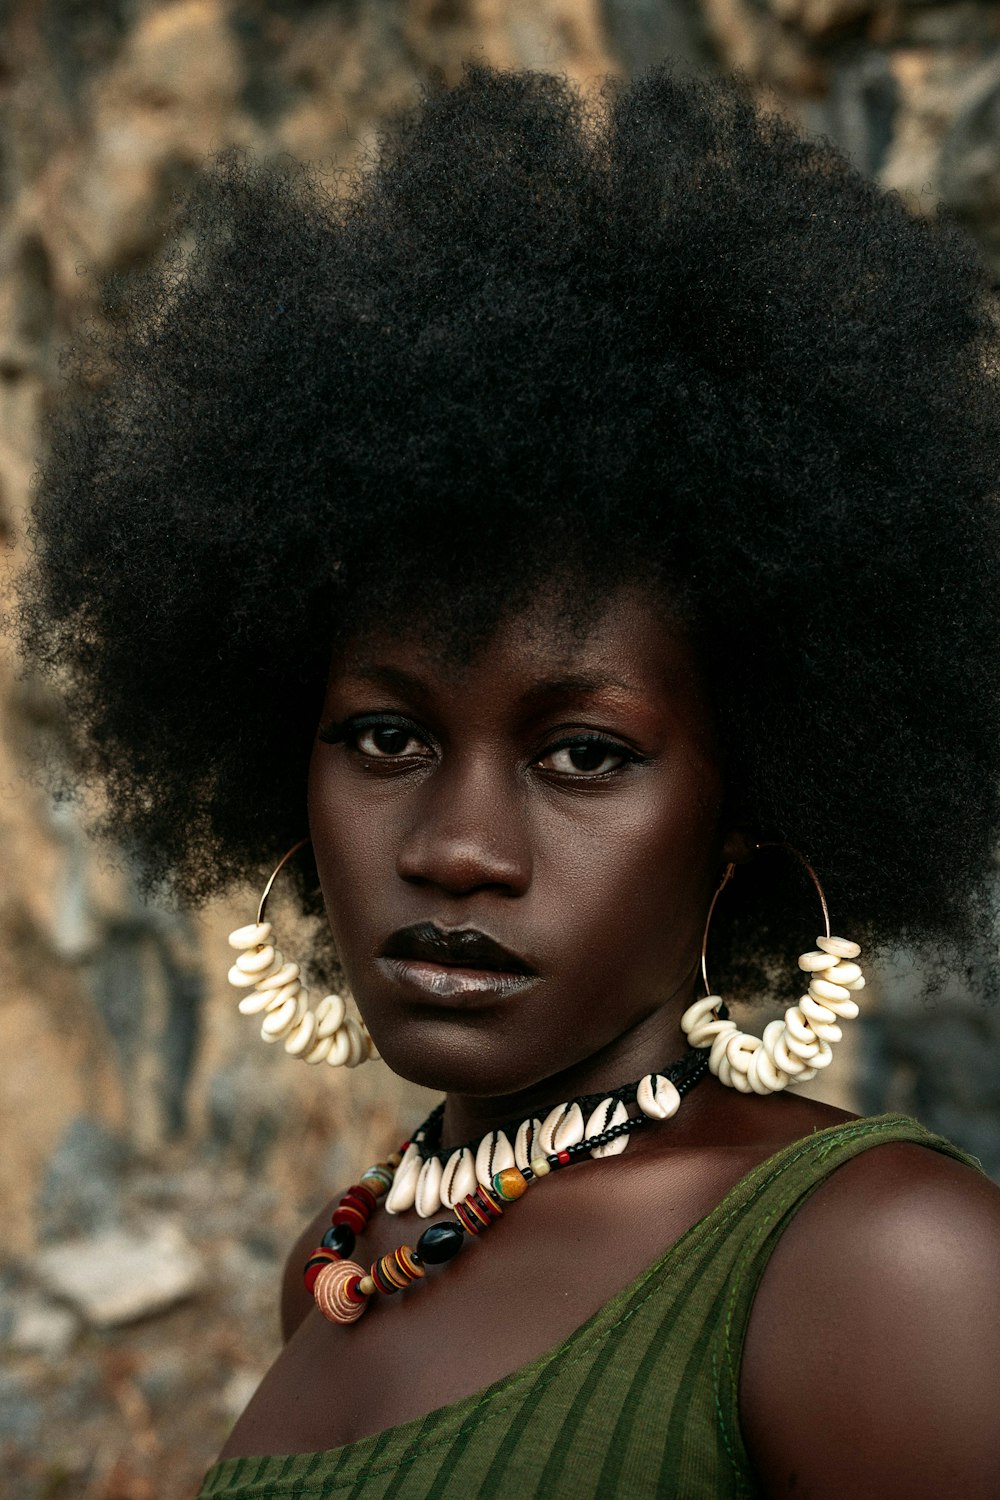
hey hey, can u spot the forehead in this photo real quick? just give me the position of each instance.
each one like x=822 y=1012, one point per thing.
x=625 y=651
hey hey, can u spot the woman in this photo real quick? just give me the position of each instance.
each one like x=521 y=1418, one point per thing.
x=587 y=526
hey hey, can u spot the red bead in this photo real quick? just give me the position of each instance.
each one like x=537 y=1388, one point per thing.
x=353 y=1292
x=352 y=1217
x=352 y=1200
x=563 y=1158
x=358 y=1190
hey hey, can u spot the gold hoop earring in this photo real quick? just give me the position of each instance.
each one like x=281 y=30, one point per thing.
x=798 y=1045
x=275 y=991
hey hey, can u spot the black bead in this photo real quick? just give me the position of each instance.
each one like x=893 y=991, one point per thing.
x=439 y=1242
x=339 y=1237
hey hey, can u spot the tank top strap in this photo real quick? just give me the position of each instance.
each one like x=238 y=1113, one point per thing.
x=759 y=1210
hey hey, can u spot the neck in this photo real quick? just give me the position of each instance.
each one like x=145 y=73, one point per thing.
x=647 y=1047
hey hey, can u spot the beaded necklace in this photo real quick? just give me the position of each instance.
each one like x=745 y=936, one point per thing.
x=596 y=1126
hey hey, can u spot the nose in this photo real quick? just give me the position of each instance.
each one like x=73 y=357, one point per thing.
x=468 y=833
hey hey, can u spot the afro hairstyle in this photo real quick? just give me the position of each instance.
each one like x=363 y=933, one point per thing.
x=651 y=333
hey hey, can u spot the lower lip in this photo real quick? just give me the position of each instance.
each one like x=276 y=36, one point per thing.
x=443 y=982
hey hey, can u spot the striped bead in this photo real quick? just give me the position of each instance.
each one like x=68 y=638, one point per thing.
x=478 y=1210
x=337 y=1292
x=352 y=1216
x=396 y=1270
x=378 y=1180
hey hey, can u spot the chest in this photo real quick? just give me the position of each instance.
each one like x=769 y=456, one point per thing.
x=512 y=1295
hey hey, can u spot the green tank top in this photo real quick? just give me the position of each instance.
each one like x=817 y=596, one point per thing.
x=640 y=1402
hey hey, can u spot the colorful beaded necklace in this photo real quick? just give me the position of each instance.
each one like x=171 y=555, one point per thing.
x=342 y=1288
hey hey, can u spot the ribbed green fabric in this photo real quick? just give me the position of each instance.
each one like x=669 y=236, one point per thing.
x=640 y=1402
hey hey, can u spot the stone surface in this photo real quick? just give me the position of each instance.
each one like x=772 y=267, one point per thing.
x=41 y=1327
x=119 y=1277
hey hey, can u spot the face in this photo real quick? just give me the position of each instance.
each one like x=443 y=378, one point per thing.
x=517 y=854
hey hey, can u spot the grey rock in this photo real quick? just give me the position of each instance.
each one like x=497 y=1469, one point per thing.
x=41 y=1327
x=119 y=1277
x=82 y=1185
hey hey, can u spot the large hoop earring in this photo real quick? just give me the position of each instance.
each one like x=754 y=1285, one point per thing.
x=275 y=991
x=796 y=1047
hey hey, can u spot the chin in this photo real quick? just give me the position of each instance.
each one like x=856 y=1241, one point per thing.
x=462 y=1058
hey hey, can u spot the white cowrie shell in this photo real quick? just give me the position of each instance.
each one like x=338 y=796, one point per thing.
x=728 y=1029
x=609 y=1112
x=283 y=973
x=256 y=960
x=823 y=1058
x=702 y=1010
x=278 y=1022
x=340 y=1049
x=843 y=973
x=561 y=1128
x=846 y=1010
x=254 y=1003
x=357 y=1051
x=277 y=998
x=806 y=1050
x=764 y=1075
x=813 y=962
x=458 y=1178
x=427 y=1198
x=828 y=1031
x=318 y=1051
x=785 y=1060
x=526 y=1143
x=797 y=1026
x=806 y=1076
x=330 y=1013
x=302 y=1036
x=239 y=980
x=840 y=947
x=250 y=936
x=740 y=1049
x=855 y=984
x=813 y=1011
x=704 y=1034
x=657 y=1097
x=494 y=1155
x=401 y=1195
x=822 y=989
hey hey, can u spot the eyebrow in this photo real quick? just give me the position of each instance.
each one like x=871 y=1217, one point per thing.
x=559 y=688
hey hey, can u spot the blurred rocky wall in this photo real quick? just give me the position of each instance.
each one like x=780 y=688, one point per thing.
x=133 y=1099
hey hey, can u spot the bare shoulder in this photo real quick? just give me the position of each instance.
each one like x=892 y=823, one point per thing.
x=296 y=1302
x=872 y=1358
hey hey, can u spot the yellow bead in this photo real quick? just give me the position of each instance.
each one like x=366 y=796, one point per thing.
x=510 y=1184
x=540 y=1167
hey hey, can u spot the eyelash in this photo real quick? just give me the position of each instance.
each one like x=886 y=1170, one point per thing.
x=349 y=732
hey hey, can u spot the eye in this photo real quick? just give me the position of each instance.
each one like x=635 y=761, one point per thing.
x=589 y=756
x=377 y=739
x=382 y=741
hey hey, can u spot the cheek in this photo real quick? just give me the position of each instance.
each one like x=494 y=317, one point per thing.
x=351 y=847
x=629 y=892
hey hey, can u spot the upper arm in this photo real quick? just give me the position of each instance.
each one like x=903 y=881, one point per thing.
x=296 y=1302
x=871 y=1366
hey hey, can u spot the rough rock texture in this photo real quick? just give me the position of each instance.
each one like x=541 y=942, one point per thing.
x=130 y=1086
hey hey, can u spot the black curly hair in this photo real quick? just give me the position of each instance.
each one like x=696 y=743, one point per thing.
x=651 y=333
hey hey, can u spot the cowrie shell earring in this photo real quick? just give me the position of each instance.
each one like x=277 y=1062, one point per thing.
x=798 y=1045
x=274 y=991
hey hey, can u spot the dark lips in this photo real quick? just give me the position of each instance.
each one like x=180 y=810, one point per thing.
x=465 y=948
x=456 y=968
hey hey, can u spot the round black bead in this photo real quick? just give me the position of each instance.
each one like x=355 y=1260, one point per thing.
x=439 y=1242
x=339 y=1237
